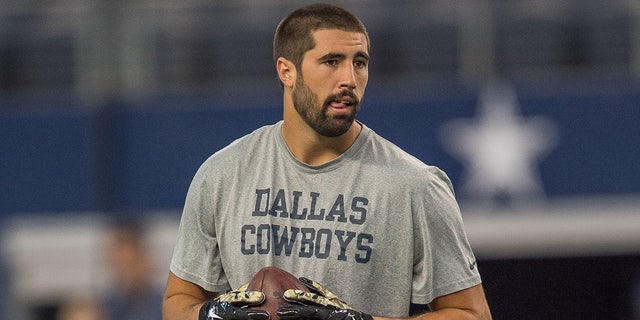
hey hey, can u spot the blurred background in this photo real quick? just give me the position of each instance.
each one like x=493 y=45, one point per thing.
x=108 y=107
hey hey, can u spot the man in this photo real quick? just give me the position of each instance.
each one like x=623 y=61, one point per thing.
x=322 y=196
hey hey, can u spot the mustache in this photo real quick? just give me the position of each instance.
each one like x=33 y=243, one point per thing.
x=339 y=96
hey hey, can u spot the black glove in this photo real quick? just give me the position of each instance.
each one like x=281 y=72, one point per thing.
x=320 y=304
x=233 y=305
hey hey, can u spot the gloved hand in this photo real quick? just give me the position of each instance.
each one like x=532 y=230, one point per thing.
x=320 y=304
x=233 y=305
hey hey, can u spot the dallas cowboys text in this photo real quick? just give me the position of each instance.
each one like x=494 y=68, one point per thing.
x=306 y=242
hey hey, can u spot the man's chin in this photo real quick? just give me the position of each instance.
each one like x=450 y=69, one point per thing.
x=339 y=127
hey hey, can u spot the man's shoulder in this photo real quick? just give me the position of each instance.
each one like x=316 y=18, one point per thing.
x=400 y=162
x=243 y=148
x=245 y=143
x=391 y=153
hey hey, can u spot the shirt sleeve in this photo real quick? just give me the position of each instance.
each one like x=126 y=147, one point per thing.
x=196 y=257
x=444 y=261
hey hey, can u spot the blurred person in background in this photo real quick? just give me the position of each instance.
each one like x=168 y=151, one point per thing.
x=132 y=294
x=80 y=308
x=4 y=294
x=9 y=307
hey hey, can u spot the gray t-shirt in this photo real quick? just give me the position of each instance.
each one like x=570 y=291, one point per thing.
x=376 y=226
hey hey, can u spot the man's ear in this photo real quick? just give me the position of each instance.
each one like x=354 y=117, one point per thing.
x=286 y=72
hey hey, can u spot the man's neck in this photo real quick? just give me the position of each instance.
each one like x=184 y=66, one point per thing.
x=314 y=149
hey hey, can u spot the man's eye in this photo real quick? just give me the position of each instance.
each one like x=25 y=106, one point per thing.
x=331 y=62
x=360 y=64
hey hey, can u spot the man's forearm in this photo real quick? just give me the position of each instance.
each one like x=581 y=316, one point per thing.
x=181 y=307
x=441 y=314
x=447 y=314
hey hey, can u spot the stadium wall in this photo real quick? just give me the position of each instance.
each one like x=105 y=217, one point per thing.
x=569 y=252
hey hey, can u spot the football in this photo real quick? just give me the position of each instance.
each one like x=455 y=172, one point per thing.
x=273 y=282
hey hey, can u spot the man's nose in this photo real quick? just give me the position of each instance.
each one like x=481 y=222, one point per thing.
x=348 y=77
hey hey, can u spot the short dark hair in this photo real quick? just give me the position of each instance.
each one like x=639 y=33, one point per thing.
x=293 y=36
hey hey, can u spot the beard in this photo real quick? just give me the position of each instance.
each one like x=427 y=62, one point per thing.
x=308 y=106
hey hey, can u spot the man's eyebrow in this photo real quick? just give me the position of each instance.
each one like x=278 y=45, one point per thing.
x=335 y=55
x=362 y=54
x=332 y=56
